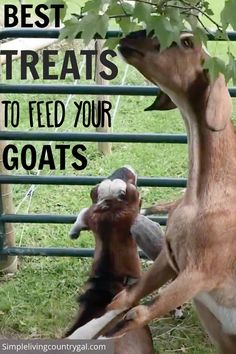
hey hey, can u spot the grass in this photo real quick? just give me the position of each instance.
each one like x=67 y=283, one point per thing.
x=39 y=301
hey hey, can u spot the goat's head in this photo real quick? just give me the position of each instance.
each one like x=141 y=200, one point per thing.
x=115 y=205
x=178 y=71
x=174 y=68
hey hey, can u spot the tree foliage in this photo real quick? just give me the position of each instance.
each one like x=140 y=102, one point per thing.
x=166 y=18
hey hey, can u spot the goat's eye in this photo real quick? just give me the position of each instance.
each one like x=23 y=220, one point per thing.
x=157 y=47
x=187 y=43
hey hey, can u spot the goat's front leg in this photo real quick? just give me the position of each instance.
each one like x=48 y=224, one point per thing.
x=182 y=289
x=161 y=208
x=159 y=273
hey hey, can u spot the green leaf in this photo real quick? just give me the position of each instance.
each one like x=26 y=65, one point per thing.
x=95 y=6
x=114 y=9
x=209 y=12
x=125 y=24
x=70 y=30
x=215 y=66
x=128 y=8
x=228 y=14
x=102 y=25
x=200 y=35
x=193 y=21
x=231 y=69
x=91 y=24
x=118 y=9
x=165 y=32
x=52 y=12
x=142 y=12
x=112 y=43
x=174 y=16
x=221 y=35
x=87 y=27
x=91 y=6
x=207 y=9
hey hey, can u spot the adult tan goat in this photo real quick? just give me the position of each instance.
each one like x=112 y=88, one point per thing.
x=200 y=247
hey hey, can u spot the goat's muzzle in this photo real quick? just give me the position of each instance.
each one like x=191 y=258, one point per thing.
x=136 y=44
x=109 y=195
x=129 y=45
x=128 y=51
x=109 y=203
x=126 y=174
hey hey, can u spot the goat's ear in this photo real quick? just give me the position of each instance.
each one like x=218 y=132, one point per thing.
x=219 y=105
x=148 y=235
x=94 y=194
x=162 y=103
x=80 y=224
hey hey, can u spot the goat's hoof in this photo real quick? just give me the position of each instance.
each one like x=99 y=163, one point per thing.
x=179 y=314
x=138 y=315
x=135 y=318
x=132 y=320
x=120 y=301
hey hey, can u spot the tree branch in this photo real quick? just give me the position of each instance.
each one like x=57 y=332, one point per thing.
x=202 y=24
x=194 y=7
x=145 y=2
x=122 y=6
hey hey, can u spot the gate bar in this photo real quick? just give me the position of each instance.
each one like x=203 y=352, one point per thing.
x=79 y=89
x=53 y=251
x=54 y=33
x=55 y=219
x=91 y=137
x=85 y=90
x=45 y=251
x=89 y=181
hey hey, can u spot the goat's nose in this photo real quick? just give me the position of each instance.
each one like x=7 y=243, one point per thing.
x=122 y=195
x=125 y=173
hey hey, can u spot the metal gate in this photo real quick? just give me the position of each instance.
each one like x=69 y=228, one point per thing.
x=76 y=137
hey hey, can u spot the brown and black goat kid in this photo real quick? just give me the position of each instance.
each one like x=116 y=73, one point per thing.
x=116 y=263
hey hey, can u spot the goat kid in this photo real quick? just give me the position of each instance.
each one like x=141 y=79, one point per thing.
x=116 y=263
x=200 y=244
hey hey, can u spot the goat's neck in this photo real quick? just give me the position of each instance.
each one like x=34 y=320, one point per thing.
x=121 y=260
x=212 y=157
x=114 y=260
x=111 y=264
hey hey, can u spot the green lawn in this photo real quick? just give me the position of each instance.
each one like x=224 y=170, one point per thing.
x=39 y=301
